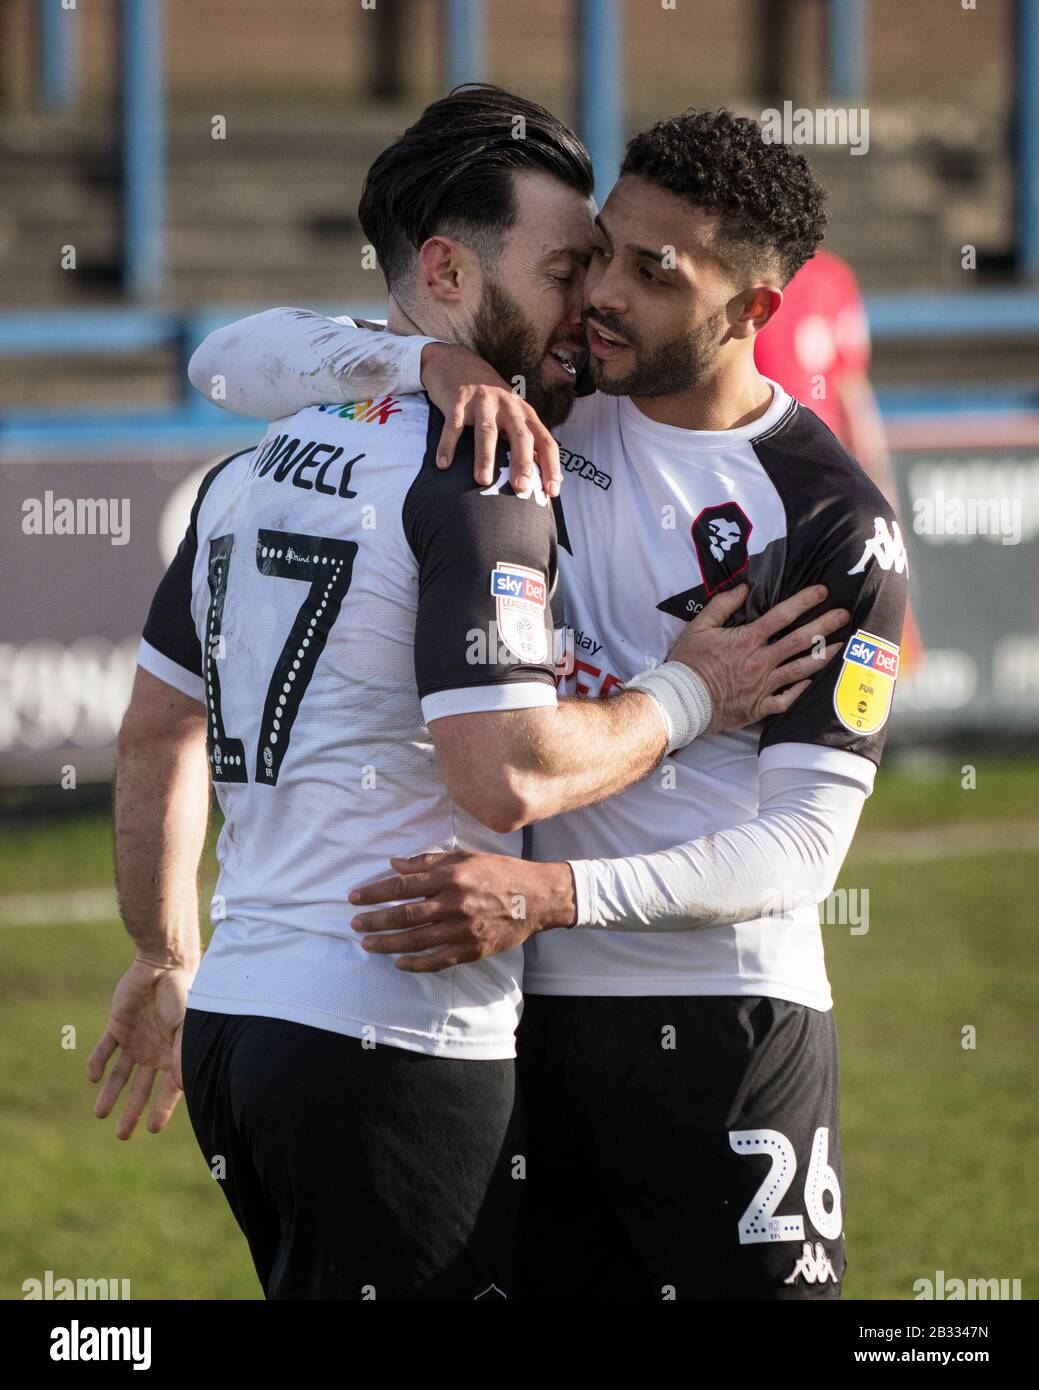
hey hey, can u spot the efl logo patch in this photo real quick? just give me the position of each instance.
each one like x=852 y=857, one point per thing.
x=866 y=684
x=521 y=595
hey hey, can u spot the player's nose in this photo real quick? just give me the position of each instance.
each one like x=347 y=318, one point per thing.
x=605 y=294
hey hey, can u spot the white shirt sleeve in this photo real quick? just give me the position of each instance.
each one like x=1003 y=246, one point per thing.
x=788 y=855
x=187 y=682
x=272 y=364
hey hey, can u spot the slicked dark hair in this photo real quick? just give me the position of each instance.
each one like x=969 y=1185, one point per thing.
x=771 y=206
x=451 y=174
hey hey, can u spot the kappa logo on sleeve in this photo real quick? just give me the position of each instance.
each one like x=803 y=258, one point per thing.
x=885 y=546
x=502 y=486
x=521 y=596
x=862 y=697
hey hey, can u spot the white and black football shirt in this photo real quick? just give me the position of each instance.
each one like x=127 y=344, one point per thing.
x=333 y=593
x=654 y=520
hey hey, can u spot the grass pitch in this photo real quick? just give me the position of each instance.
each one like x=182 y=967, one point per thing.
x=939 y=1122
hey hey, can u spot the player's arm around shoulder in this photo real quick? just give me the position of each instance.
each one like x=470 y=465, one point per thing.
x=277 y=362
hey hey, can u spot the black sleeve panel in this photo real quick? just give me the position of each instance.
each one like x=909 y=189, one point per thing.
x=841 y=532
x=487 y=575
x=169 y=627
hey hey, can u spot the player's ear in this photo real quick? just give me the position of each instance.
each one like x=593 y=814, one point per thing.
x=444 y=269
x=752 y=309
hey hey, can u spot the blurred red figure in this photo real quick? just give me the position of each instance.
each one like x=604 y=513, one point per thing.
x=817 y=348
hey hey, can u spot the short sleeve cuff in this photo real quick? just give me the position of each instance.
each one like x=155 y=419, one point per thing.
x=478 y=699
x=187 y=682
x=409 y=360
x=817 y=757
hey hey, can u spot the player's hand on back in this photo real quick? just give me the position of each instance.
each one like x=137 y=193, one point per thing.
x=145 y=1026
x=469 y=392
x=749 y=675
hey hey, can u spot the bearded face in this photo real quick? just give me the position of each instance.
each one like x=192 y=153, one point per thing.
x=661 y=369
x=506 y=338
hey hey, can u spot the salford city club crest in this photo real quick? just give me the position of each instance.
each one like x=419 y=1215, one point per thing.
x=866 y=684
x=520 y=596
x=720 y=535
x=720 y=538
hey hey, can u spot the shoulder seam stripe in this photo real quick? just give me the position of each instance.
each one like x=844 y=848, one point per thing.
x=779 y=423
x=209 y=480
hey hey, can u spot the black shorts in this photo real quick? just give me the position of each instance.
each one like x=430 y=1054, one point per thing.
x=354 y=1172
x=681 y=1148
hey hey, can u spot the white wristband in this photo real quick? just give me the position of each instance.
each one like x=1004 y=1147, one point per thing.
x=682 y=698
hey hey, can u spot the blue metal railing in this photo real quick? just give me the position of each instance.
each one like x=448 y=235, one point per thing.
x=1026 y=137
x=54 y=332
x=463 y=56
x=143 y=142
x=58 y=49
x=847 y=49
x=195 y=424
x=600 y=89
x=894 y=316
x=897 y=316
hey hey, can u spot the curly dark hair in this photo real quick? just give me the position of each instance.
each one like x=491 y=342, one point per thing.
x=771 y=205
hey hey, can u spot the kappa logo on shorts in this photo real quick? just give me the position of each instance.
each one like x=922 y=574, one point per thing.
x=862 y=696
x=814 y=1265
x=520 y=597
